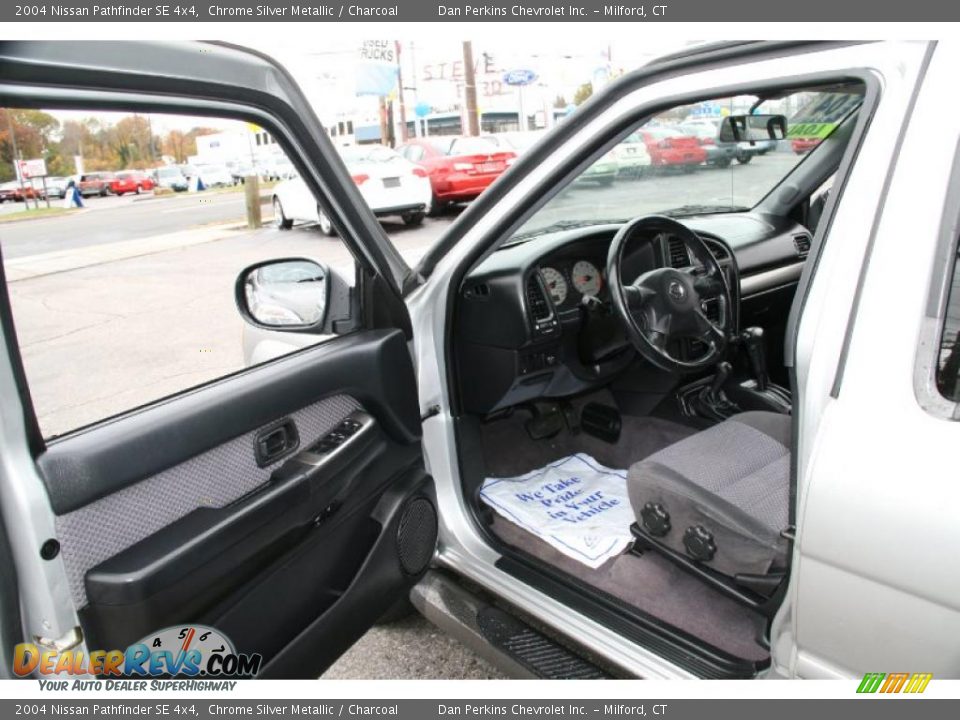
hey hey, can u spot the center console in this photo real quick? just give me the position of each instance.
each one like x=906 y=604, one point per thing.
x=727 y=392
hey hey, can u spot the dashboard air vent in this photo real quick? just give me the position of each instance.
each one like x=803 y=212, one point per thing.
x=717 y=250
x=679 y=258
x=478 y=291
x=536 y=300
x=802 y=243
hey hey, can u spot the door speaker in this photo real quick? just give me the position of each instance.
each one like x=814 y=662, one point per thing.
x=417 y=535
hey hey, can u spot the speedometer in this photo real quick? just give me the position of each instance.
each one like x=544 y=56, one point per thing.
x=586 y=278
x=556 y=284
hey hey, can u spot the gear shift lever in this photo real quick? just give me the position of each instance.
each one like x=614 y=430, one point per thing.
x=752 y=339
x=720 y=378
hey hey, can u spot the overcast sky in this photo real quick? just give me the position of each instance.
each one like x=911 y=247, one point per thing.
x=325 y=70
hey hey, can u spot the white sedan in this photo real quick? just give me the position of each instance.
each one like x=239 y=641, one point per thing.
x=632 y=156
x=390 y=184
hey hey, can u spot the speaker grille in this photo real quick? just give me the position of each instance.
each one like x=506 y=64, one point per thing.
x=417 y=535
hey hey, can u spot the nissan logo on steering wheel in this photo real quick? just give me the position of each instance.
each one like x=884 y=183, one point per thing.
x=676 y=291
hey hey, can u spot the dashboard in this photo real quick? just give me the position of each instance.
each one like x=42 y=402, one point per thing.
x=534 y=320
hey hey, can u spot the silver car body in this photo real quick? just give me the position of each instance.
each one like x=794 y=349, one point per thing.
x=873 y=582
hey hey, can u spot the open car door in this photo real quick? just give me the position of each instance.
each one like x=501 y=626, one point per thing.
x=285 y=506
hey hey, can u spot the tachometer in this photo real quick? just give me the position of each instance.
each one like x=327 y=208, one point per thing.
x=556 y=284
x=586 y=278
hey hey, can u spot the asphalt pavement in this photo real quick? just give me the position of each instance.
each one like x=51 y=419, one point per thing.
x=120 y=219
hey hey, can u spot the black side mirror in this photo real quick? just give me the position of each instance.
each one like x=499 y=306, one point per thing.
x=753 y=128
x=290 y=295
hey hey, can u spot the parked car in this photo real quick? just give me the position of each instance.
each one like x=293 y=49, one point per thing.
x=459 y=168
x=671 y=148
x=603 y=172
x=390 y=185
x=172 y=178
x=240 y=171
x=517 y=141
x=17 y=191
x=719 y=154
x=10 y=191
x=801 y=146
x=55 y=186
x=280 y=169
x=215 y=175
x=96 y=183
x=633 y=158
x=131 y=181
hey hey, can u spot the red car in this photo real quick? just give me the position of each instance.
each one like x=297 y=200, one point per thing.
x=459 y=168
x=95 y=183
x=130 y=182
x=801 y=146
x=669 y=147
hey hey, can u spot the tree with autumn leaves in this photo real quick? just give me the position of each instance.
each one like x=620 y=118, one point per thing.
x=128 y=144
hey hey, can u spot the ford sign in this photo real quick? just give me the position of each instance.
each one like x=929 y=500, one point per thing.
x=520 y=77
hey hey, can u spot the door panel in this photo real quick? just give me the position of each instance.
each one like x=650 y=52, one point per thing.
x=165 y=516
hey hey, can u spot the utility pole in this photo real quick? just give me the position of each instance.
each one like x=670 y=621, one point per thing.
x=384 y=121
x=153 y=154
x=403 y=105
x=470 y=90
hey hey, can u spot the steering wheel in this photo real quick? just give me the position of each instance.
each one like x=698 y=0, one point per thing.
x=667 y=303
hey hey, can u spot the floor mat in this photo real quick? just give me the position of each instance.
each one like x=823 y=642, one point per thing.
x=575 y=505
x=658 y=588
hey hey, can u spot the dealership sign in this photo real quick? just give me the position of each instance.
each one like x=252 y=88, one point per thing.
x=519 y=77
x=33 y=168
x=377 y=70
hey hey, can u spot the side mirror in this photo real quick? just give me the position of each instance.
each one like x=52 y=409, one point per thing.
x=290 y=295
x=753 y=128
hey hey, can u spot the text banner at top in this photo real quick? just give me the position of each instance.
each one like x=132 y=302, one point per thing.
x=737 y=11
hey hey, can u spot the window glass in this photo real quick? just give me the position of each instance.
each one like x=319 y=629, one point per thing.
x=472 y=146
x=677 y=163
x=414 y=153
x=131 y=298
x=948 y=367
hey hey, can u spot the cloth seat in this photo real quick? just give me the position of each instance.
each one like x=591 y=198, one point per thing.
x=720 y=497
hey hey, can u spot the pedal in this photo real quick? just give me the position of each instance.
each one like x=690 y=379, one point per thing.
x=570 y=417
x=547 y=421
x=601 y=421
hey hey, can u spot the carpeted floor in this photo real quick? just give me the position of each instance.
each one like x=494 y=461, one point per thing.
x=508 y=450
x=657 y=587
x=648 y=582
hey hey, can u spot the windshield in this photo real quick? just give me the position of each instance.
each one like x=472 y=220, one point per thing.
x=169 y=172
x=519 y=140
x=471 y=146
x=367 y=153
x=687 y=171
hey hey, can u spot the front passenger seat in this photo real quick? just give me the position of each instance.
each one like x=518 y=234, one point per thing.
x=719 y=499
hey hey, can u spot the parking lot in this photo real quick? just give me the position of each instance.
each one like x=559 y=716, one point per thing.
x=131 y=299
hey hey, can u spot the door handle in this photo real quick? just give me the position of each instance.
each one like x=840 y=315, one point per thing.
x=275 y=441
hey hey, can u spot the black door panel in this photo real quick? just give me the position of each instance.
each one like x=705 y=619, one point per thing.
x=315 y=611
x=373 y=368
x=197 y=531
